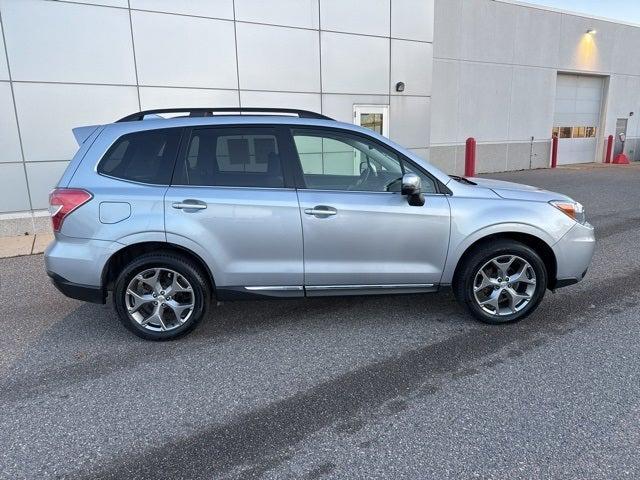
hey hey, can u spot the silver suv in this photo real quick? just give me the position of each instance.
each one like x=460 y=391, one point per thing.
x=170 y=213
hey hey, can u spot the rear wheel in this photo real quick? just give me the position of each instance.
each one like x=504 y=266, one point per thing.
x=501 y=282
x=161 y=296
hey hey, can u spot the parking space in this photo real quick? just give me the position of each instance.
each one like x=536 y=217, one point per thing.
x=375 y=387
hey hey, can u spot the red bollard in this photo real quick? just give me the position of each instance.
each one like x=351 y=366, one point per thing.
x=609 y=149
x=554 y=152
x=470 y=158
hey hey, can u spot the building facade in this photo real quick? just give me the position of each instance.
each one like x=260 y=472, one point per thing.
x=510 y=75
x=427 y=73
x=70 y=63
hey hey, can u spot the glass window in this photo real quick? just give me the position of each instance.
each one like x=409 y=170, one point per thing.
x=233 y=157
x=579 y=132
x=374 y=121
x=590 y=132
x=555 y=132
x=565 y=132
x=146 y=157
x=341 y=161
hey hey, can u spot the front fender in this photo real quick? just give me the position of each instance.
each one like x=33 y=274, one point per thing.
x=473 y=220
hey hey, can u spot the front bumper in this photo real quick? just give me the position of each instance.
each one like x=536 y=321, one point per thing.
x=573 y=255
x=86 y=293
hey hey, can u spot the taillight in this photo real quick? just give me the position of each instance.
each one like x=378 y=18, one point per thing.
x=63 y=201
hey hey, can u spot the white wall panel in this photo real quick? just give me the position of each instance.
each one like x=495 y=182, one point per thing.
x=447 y=34
x=9 y=140
x=537 y=37
x=202 y=8
x=531 y=103
x=412 y=63
x=14 y=195
x=48 y=112
x=412 y=19
x=303 y=101
x=488 y=31
x=340 y=107
x=294 y=13
x=589 y=53
x=625 y=98
x=184 y=51
x=65 y=42
x=278 y=58
x=169 y=97
x=108 y=3
x=355 y=64
x=43 y=176
x=4 y=71
x=410 y=121
x=350 y=16
x=624 y=60
x=485 y=97
x=444 y=101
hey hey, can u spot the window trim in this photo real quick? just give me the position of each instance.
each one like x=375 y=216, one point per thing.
x=96 y=168
x=279 y=133
x=441 y=189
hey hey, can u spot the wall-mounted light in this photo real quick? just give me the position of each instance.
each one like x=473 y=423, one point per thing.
x=592 y=31
x=400 y=87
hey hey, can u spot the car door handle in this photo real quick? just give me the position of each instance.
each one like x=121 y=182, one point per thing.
x=189 y=205
x=321 y=211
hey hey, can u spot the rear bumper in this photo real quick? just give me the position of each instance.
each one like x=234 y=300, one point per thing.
x=86 y=293
x=573 y=255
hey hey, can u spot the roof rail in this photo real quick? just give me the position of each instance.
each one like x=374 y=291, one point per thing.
x=210 y=112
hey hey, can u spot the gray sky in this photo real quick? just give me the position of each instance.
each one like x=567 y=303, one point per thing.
x=625 y=10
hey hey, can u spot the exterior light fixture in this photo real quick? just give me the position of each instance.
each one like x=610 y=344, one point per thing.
x=592 y=31
x=400 y=87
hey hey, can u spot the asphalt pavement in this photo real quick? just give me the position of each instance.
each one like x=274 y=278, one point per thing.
x=337 y=388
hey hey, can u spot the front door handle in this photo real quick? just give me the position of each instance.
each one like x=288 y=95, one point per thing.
x=189 y=205
x=321 y=211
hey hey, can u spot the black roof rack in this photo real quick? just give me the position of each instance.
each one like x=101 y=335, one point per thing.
x=210 y=112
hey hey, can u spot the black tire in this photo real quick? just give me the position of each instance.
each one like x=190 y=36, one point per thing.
x=463 y=285
x=169 y=260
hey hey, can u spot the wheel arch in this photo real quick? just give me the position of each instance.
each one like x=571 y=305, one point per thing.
x=537 y=244
x=123 y=256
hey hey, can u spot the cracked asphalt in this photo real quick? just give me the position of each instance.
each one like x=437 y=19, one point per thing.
x=374 y=387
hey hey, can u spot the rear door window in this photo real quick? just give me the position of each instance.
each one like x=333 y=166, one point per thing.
x=146 y=157
x=232 y=157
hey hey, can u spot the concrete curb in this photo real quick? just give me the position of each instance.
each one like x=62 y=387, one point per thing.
x=24 y=245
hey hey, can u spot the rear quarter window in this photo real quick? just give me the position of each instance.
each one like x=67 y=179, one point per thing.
x=146 y=157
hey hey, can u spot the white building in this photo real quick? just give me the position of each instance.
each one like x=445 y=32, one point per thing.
x=504 y=73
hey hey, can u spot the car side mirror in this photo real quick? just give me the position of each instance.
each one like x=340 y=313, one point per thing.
x=411 y=187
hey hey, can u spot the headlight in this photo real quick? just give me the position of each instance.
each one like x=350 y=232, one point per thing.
x=574 y=210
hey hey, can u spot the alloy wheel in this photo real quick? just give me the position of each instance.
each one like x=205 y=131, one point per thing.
x=504 y=285
x=159 y=299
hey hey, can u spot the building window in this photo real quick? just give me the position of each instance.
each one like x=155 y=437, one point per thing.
x=574 y=132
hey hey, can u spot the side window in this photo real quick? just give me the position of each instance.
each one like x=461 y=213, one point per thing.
x=340 y=161
x=146 y=157
x=233 y=157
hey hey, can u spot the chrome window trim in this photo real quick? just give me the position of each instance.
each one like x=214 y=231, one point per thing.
x=369 y=287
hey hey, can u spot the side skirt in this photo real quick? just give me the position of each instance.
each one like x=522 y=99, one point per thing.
x=298 y=291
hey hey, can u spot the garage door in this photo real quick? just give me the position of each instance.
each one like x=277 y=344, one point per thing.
x=577 y=117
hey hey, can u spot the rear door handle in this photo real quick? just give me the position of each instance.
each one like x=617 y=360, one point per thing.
x=189 y=205
x=321 y=211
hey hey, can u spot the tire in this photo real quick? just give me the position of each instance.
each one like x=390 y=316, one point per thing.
x=138 y=286
x=507 y=301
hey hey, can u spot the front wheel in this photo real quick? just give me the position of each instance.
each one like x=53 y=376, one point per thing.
x=161 y=296
x=501 y=282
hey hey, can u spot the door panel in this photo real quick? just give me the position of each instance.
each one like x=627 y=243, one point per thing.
x=251 y=236
x=373 y=238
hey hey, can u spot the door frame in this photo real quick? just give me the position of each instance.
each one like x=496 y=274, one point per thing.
x=359 y=109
